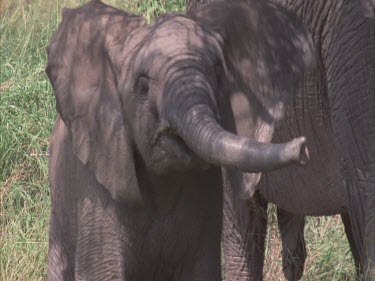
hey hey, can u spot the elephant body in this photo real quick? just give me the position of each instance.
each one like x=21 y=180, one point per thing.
x=175 y=237
x=145 y=133
x=318 y=189
x=334 y=108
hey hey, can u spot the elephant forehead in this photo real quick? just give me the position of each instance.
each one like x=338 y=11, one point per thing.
x=179 y=30
x=174 y=43
x=175 y=35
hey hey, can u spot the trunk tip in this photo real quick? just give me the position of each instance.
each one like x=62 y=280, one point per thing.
x=303 y=151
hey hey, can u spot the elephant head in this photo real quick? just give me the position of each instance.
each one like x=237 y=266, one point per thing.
x=161 y=92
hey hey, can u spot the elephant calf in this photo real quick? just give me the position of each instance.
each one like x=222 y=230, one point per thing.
x=144 y=126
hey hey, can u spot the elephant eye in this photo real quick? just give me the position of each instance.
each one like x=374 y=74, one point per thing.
x=142 y=87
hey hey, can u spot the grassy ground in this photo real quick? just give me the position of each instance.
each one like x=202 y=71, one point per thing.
x=27 y=113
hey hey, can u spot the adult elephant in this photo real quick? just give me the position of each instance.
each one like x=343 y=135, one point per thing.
x=145 y=126
x=335 y=110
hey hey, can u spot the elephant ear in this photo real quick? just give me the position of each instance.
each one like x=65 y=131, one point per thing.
x=266 y=51
x=266 y=48
x=84 y=83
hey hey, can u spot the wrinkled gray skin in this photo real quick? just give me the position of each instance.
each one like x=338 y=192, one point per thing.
x=335 y=110
x=144 y=127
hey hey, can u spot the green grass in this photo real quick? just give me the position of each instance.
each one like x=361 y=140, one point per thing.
x=27 y=113
x=328 y=254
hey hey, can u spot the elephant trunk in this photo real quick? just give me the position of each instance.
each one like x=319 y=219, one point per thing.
x=195 y=122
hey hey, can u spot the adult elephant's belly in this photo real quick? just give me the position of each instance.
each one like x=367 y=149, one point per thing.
x=318 y=188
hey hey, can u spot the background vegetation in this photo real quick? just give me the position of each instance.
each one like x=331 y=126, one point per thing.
x=27 y=113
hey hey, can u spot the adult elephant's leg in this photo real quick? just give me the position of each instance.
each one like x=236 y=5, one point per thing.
x=293 y=242
x=349 y=234
x=244 y=231
x=351 y=86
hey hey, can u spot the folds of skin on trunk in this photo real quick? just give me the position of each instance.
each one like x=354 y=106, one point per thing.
x=195 y=122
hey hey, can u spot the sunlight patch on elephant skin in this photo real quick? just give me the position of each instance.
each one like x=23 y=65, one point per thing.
x=250 y=124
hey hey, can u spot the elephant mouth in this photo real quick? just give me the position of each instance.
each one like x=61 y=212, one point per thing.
x=170 y=135
x=169 y=139
x=170 y=153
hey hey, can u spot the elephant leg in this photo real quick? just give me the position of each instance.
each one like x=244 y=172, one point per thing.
x=243 y=241
x=244 y=232
x=349 y=234
x=362 y=220
x=294 y=252
x=206 y=264
x=204 y=260
x=59 y=267
x=353 y=123
x=370 y=238
x=368 y=189
x=104 y=249
x=370 y=247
